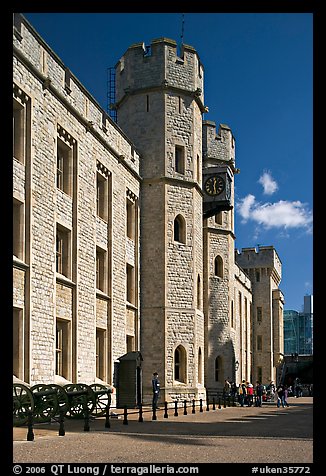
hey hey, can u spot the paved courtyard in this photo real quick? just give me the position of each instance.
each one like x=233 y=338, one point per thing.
x=227 y=435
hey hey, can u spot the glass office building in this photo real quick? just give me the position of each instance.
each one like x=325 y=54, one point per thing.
x=298 y=329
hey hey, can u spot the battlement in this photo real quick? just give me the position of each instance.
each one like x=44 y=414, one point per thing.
x=57 y=79
x=218 y=146
x=260 y=257
x=159 y=65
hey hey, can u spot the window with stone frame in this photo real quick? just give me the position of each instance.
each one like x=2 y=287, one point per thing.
x=101 y=270
x=100 y=353
x=179 y=229
x=218 y=218
x=259 y=314
x=131 y=218
x=102 y=196
x=199 y=300
x=21 y=125
x=218 y=266
x=63 y=348
x=200 y=366
x=64 y=167
x=179 y=156
x=18 y=229
x=130 y=284
x=63 y=251
x=180 y=359
x=18 y=347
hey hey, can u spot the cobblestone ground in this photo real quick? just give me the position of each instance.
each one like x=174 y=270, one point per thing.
x=227 y=435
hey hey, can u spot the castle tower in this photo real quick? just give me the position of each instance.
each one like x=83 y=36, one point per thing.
x=159 y=104
x=264 y=268
x=222 y=342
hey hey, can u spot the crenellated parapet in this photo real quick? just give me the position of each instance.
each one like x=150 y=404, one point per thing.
x=158 y=66
x=262 y=257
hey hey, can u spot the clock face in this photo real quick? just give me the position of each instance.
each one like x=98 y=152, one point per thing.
x=214 y=185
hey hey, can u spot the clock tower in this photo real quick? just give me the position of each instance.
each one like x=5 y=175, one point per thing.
x=159 y=105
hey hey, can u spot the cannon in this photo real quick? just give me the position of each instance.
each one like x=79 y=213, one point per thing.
x=23 y=403
x=47 y=401
x=102 y=398
x=94 y=398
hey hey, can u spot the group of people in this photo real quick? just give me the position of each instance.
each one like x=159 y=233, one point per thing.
x=250 y=395
x=245 y=392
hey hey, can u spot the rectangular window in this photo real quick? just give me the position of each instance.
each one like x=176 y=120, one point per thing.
x=18 y=229
x=218 y=218
x=100 y=354
x=130 y=271
x=63 y=251
x=64 y=167
x=179 y=159
x=130 y=341
x=259 y=314
x=101 y=267
x=102 y=197
x=62 y=366
x=18 y=343
x=19 y=131
x=257 y=275
x=259 y=343
x=232 y=314
x=131 y=219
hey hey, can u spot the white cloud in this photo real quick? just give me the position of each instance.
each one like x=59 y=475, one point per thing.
x=281 y=214
x=245 y=205
x=268 y=183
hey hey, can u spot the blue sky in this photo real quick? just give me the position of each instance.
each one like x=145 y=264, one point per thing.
x=258 y=79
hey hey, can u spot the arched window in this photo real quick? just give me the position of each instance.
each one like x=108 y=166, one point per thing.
x=179 y=229
x=219 y=369
x=218 y=267
x=200 y=366
x=180 y=364
x=198 y=292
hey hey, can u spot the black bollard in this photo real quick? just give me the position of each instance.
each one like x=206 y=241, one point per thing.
x=213 y=403
x=219 y=403
x=201 y=405
x=224 y=402
x=229 y=402
x=166 y=410
x=193 y=407
x=30 y=433
x=140 y=418
x=61 y=423
x=107 y=416
x=154 y=414
x=185 y=407
x=207 y=405
x=175 y=408
x=125 y=416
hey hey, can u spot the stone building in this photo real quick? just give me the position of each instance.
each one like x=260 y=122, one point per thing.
x=124 y=232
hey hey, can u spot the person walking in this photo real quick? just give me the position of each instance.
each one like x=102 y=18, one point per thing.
x=156 y=390
x=250 y=394
x=285 y=395
x=280 y=396
x=259 y=394
x=242 y=393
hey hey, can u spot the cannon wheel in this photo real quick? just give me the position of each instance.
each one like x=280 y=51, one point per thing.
x=23 y=402
x=63 y=400
x=45 y=406
x=78 y=402
x=103 y=397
